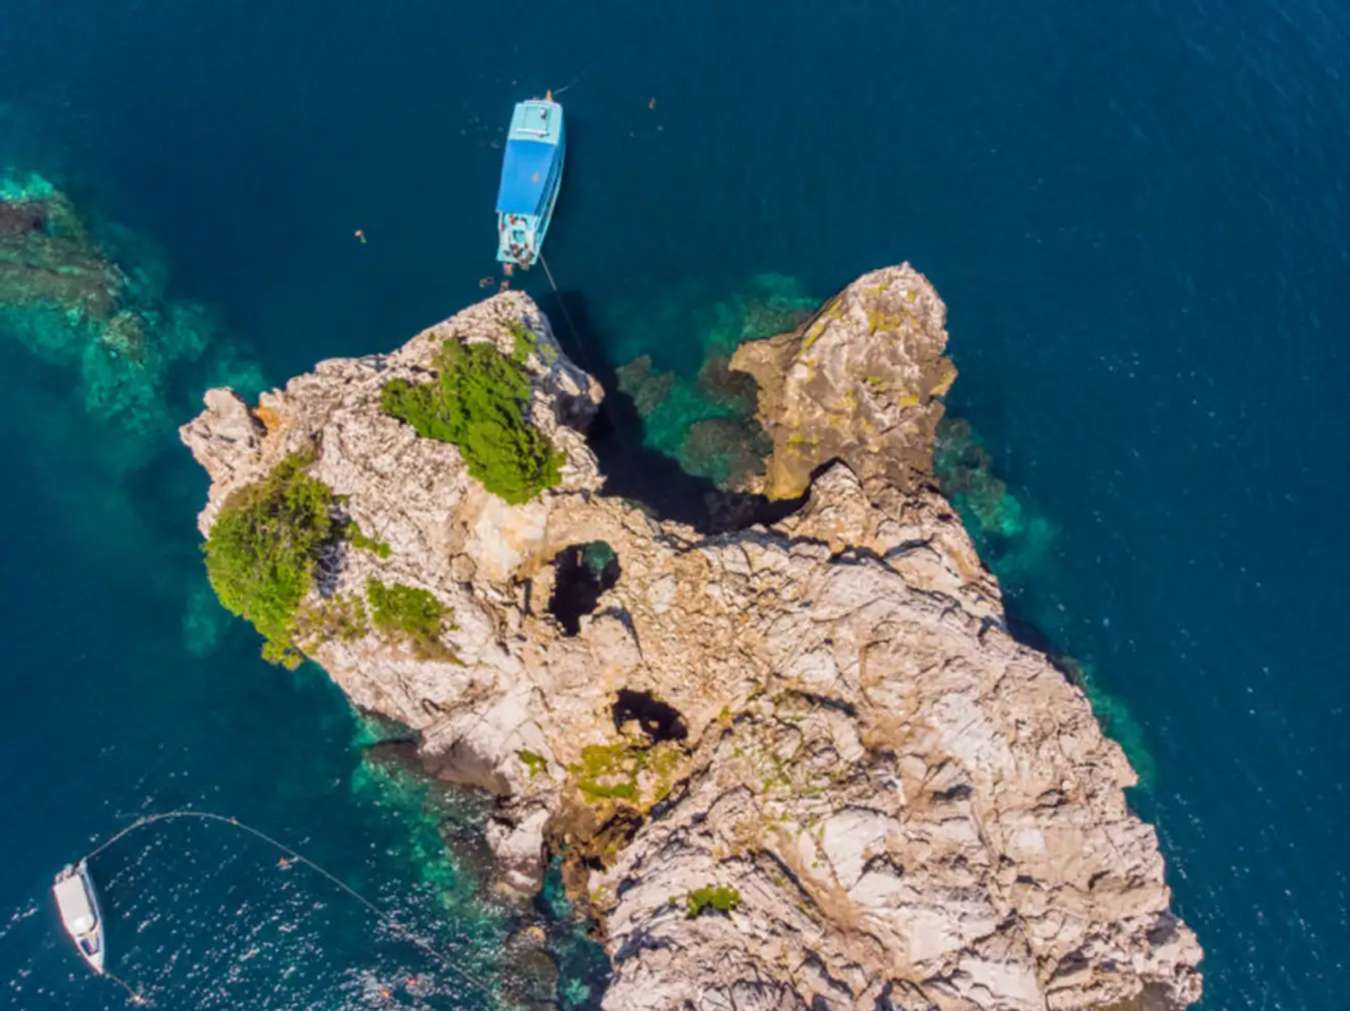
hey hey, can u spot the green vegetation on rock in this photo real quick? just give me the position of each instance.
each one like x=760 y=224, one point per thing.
x=626 y=770
x=533 y=761
x=413 y=615
x=720 y=898
x=608 y=771
x=341 y=616
x=358 y=539
x=478 y=403
x=525 y=342
x=261 y=552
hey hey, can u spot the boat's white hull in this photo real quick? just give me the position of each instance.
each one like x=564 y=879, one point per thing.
x=77 y=904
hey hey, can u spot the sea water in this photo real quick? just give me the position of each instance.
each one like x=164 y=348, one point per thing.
x=1138 y=215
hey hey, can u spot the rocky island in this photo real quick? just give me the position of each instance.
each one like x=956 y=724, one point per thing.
x=800 y=764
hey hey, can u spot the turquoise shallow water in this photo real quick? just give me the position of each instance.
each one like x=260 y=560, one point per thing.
x=1139 y=216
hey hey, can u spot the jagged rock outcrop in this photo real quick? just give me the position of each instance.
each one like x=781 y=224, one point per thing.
x=827 y=716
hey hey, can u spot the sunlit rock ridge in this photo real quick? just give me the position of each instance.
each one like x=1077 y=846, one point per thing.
x=821 y=726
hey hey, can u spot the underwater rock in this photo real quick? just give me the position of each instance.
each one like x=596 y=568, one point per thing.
x=48 y=260
x=764 y=305
x=531 y=983
x=730 y=451
x=96 y=303
x=707 y=423
x=901 y=805
x=962 y=466
x=21 y=219
x=723 y=384
x=647 y=387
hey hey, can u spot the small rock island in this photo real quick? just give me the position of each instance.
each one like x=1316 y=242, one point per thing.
x=800 y=764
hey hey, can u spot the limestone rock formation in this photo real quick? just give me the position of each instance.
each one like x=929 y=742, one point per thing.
x=861 y=380
x=825 y=722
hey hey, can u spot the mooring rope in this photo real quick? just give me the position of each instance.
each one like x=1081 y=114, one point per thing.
x=574 y=81
x=133 y=995
x=562 y=304
x=581 y=346
x=296 y=856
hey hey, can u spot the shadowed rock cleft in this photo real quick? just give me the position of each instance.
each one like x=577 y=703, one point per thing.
x=659 y=721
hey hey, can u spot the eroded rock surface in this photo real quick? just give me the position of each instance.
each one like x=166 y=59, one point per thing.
x=827 y=716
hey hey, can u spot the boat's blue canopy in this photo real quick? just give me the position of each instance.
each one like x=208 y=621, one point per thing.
x=525 y=173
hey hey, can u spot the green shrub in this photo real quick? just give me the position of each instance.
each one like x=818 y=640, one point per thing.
x=341 y=616
x=525 y=342
x=261 y=551
x=721 y=898
x=358 y=539
x=413 y=615
x=478 y=404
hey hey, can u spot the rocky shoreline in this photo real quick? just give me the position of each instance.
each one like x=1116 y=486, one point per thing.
x=791 y=766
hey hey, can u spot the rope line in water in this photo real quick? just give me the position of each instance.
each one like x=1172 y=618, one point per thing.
x=133 y=995
x=576 y=80
x=298 y=857
x=562 y=304
x=581 y=346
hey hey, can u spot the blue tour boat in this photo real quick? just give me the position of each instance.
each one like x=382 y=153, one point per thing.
x=531 y=173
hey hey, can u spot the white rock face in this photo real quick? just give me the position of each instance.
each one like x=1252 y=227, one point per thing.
x=915 y=810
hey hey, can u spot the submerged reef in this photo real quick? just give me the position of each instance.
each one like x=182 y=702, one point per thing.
x=112 y=362
x=794 y=765
x=93 y=299
x=1001 y=523
x=707 y=423
x=526 y=958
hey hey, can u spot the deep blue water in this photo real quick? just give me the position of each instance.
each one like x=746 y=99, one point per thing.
x=1139 y=215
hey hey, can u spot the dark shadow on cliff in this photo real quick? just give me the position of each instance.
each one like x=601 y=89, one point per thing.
x=582 y=574
x=1032 y=636
x=659 y=720
x=633 y=470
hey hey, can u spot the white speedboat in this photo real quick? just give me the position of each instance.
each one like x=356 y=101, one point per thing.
x=77 y=903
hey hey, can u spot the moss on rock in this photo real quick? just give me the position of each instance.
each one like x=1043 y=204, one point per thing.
x=717 y=898
x=640 y=774
x=533 y=761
